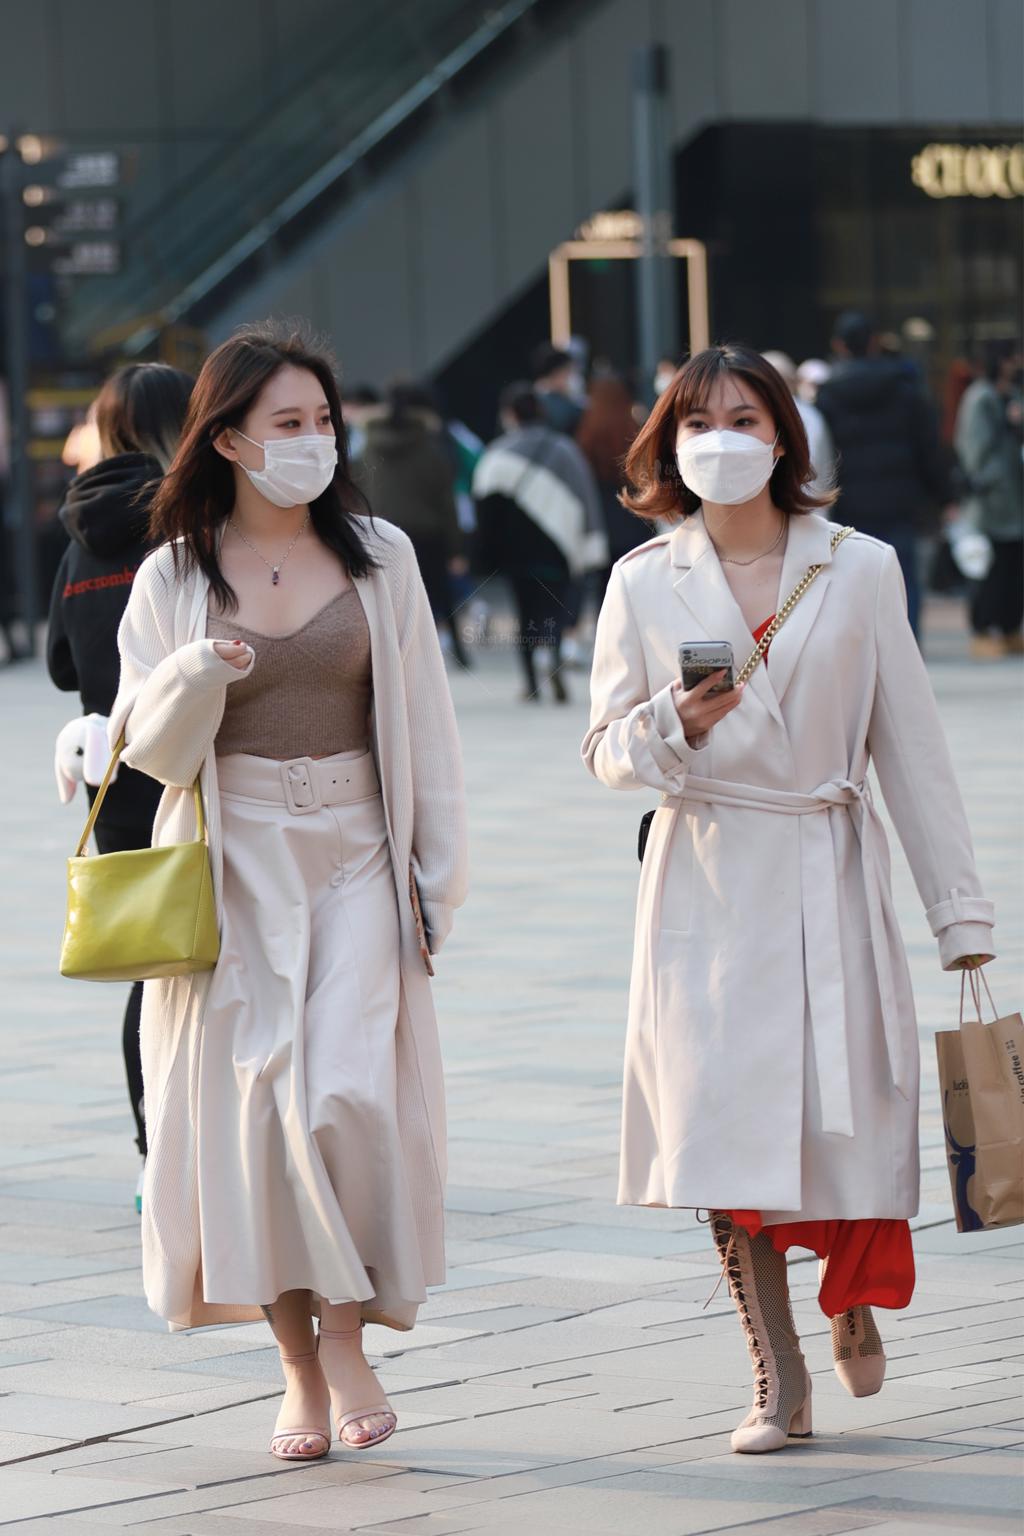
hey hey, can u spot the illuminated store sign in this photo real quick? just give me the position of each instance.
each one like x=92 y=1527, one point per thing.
x=969 y=170
x=621 y=224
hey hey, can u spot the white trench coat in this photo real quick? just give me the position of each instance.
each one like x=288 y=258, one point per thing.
x=171 y=697
x=771 y=1054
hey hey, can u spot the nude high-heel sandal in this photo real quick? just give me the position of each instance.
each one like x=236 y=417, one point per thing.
x=782 y=1384
x=342 y=1416
x=311 y=1435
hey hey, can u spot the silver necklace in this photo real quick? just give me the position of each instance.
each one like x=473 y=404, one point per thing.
x=275 y=570
x=731 y=560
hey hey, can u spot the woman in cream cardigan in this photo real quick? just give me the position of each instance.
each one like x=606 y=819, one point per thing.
x=771 y=1070
x=280 y=645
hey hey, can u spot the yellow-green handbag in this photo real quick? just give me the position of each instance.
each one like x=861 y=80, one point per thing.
x=141 y=913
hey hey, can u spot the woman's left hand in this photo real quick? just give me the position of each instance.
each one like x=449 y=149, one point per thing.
x=972 y=962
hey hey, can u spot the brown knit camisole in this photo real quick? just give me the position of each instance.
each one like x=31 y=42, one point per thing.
x=308 y=694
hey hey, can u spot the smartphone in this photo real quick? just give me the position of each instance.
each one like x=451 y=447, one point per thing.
x=699 y=658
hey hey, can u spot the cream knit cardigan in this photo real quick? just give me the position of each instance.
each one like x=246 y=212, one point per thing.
x=170 y=702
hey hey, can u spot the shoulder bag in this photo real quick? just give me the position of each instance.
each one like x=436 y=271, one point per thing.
x=142 y=913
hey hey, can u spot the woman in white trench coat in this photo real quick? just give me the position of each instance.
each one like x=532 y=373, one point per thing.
x=281 y=646
x=771 y=1070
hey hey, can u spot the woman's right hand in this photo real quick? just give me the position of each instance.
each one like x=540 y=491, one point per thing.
x=699 y=709
x=236 y=652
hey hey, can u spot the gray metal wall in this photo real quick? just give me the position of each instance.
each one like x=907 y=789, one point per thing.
x=169 y=80
x=405 y=279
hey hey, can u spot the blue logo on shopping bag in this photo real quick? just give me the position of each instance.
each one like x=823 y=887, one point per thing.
x=963 y=1161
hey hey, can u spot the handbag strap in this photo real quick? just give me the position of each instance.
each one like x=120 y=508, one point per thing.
x=101 y=795
x=784 y=612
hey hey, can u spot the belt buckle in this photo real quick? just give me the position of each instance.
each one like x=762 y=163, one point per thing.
x=301 y=787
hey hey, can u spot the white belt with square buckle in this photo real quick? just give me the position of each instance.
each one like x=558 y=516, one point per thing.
x=303 y=784
x=310 y=783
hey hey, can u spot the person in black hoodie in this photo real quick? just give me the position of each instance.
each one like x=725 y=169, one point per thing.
x=893 y=476
x=139 y=416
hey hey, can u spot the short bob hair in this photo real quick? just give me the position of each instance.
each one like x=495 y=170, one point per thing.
x=655 y=487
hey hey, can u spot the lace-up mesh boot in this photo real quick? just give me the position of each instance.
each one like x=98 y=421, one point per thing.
x=782 y=1387
x=857 y=1349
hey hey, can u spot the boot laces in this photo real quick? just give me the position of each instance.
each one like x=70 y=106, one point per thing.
x=732 y=1267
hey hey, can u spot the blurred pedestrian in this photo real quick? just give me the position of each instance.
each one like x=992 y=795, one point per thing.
x=82 y=447
x=771 y=1059
x=464 y=449
x=14 y=649
x=358 y=402
x=605 y=436
x=559 y=380
x=960 y=375
x=819 y=439
x=810 y=376
x=279 y=645
x=988 y=440
x=138 y=417
x=10 y=608
x=560 y=387
x=665 y=371
x=540 y=525
x=892 y=474
x=406 y=472
x=943 y=573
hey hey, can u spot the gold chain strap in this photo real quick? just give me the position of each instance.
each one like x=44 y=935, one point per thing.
x=747 y=670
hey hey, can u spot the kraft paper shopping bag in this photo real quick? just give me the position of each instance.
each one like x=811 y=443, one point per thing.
x=981 y=1078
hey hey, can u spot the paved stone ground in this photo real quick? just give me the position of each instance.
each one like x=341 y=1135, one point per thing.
x=568 y=1378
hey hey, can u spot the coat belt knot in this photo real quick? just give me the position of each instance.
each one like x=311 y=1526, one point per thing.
x=823 y=960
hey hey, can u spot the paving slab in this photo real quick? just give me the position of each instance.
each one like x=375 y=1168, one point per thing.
x=572 y=1375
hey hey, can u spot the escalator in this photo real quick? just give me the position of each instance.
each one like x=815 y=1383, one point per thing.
x=382 y=75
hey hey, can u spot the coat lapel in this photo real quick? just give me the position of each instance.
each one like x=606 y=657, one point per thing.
x=809 y=543
x=367 y=592
x=700 y=583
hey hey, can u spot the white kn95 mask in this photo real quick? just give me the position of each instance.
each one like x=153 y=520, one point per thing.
x=726 y=467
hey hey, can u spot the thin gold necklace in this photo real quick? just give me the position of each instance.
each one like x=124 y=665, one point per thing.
x=731 y=560
x=275 y=570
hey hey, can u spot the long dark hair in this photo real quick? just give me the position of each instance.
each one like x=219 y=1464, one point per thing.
x=198 y=492
x=657 y=489
x=142 y=409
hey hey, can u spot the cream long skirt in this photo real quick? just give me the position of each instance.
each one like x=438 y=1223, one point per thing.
x=302 y=1183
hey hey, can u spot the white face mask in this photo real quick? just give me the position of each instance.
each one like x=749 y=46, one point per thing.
x=296 y=470
x=726 y=468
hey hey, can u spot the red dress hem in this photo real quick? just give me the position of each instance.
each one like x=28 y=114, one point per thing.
x=870 y=1262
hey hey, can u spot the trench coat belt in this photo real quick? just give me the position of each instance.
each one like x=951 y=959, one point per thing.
x=823 y=960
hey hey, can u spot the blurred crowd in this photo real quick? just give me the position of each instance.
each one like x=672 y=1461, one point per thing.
x=538 y=506
x=532 y=519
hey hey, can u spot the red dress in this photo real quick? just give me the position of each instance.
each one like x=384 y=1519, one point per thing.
x=870 y=1262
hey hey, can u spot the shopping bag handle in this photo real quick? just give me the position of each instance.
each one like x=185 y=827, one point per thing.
x=972 y=976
